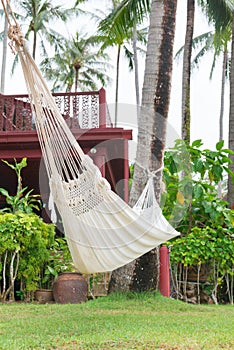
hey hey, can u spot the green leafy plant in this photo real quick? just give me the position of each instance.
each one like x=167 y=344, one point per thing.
x=22 y=200
x=24 y=248
x=60 y=261
x=192 y=177
x=193 y=186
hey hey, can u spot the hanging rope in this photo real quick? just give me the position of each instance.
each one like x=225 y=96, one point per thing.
x=149 y=173
x=14 y=31
x=6 y=8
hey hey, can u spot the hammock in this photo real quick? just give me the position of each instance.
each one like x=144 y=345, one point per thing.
x=102 y=231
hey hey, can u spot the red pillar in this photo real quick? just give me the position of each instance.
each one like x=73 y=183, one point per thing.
x=126 y=171
x=102 y=108
x=164 y=280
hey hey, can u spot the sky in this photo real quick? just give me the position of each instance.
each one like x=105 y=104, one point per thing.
x=205 y=94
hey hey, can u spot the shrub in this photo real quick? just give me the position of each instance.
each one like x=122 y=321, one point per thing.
x=24 y=243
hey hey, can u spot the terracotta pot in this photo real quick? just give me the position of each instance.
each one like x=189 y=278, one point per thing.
x=44 y=296
x=70 y=287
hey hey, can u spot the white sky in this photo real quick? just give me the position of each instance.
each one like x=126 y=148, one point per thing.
x=205 y=94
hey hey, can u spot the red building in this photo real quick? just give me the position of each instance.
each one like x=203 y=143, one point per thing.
x=87 y=116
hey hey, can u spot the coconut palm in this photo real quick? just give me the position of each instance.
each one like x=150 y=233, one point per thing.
x=4 y=56
x=78 y=64
x=187 y=71
x=218 y=13
x=218 y=44
x=38 y=16
x=142 y=274
x=221 y=14
x=231 y=123
x=118 y=31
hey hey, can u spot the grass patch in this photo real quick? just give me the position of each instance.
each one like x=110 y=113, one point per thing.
x=130 y=321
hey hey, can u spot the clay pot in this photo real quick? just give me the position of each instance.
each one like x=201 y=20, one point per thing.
x=70 y=287
x=44 y=296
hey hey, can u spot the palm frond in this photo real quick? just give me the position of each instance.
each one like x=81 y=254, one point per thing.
x=199 y=40
x=218 y=12
x=129 y=56
x=121 y=21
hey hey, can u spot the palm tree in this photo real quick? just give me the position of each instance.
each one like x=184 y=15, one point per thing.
x=4 y=55
x=117 y=30
x=216 y=42
x=222 y=14
x=39 y=15
x=219 y=14
x=142 y=274
x=187 y=71
x=231 y=123
x=78 y=63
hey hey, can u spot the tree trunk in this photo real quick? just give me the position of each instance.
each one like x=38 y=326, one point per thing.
x=231 y=124
x=224 y=67
x=34 y=44
x=135 y=58
x=186 y=116
x=76 y=77
x=143 y=273
x=117 y=85
x=225 y=56
x=4 y=55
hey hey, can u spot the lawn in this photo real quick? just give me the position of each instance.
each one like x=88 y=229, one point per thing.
x=129 y=321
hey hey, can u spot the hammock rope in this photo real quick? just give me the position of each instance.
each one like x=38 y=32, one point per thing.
x=102 y=231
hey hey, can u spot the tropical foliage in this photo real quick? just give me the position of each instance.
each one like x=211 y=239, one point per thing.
x=30 y=254
x=191 y=177
x=24 y=242
x=79 y=64
x=38 y=16
x=117 y=29
x=22 y=200
x=206 y=223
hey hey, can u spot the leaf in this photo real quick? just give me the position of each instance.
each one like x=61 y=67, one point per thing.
x=217 y=171
x=4 y=192
x=198 y=166
x=219 y=145
x=180 y=197
x=211 y=176
x=198 y=191
x=229 y=151
x=172 y=166
x=197 y=143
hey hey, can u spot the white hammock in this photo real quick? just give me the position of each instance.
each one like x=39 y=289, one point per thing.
x=102 y=231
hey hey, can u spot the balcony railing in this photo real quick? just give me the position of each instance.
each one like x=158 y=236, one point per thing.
x=83 y=110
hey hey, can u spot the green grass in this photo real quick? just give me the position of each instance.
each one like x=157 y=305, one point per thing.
x=117 y=322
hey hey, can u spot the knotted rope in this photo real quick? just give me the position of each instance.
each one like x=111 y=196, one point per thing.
x=150 y=173
x=14 y=31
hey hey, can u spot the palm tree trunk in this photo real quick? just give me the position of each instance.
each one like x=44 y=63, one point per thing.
x=76 y=78
x=186 y=114
x=34 y=44
x=222 y=95
x=135 y=58
x=4 y=56
x=231 y=124
x=117 y=85
x=145 y=123
x=143 y=274
x=224 y=67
